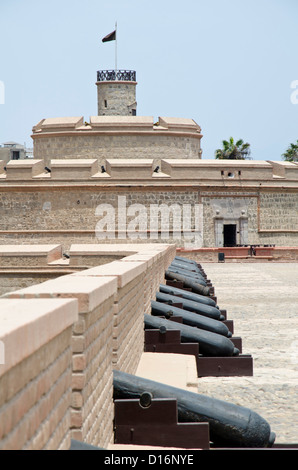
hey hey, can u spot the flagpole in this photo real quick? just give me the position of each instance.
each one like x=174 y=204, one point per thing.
x=116 y=49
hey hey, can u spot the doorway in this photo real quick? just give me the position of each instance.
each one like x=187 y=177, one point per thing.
x=229 y=234
x=15 y=155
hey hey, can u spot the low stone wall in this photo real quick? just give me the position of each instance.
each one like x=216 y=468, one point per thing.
x=29 y=255
x=242 y=254
x=107 y=333
x=35 y=373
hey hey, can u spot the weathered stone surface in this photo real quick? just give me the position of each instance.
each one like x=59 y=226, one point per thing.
x=262 y=301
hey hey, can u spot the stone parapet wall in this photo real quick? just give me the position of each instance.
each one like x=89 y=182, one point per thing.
x=36 y=373
x=17 y=273
x=15 y=279
x=29 y=255
x=106 y=333
x=160 y=170
x=127 y=137
x=242 y=254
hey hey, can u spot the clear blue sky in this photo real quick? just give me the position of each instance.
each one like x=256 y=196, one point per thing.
x=227 y=64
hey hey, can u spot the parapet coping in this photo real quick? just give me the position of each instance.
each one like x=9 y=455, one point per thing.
x=28 y=250
x=89 y=292
x=124 y=271
x=138 y=123
x=27 y=325
x=117 y=248
x=134 y=171
x=127 y=268
x=94 y=285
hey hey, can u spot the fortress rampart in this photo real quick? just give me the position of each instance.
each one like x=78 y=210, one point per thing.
x=169 y=172
x=74 y=331
x=260 y=198
x=106 y=137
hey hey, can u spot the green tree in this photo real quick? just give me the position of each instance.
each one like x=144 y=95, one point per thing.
x=233 y=150
x=291 y=154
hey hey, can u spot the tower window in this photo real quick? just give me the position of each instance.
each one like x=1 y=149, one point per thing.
x=106 y=104
x=134 y=112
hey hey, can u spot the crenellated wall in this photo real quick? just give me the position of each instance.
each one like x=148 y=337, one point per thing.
x=77 y=329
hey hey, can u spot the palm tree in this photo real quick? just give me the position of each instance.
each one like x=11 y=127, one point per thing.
x=233 y=150
x=291 y=154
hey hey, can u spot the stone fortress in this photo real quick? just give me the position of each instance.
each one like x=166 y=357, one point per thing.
x=84 y=288
x=119 y=153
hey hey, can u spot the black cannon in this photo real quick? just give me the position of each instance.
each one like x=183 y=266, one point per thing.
x=187 y=283
x=187 y=266
x=189 y=274
x=190 y=318
x=186 y=260
x=187 y=295
x=230 y=425
x=211 y=344
x=190 y=305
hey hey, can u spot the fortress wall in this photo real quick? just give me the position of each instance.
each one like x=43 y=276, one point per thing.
x=132 y=170
x=103 y=147
x=107 y=333
x=29 y=255
x=67 y=205
x=126 y=137
x=13 y=279
x=41 y=217
x=35 y=373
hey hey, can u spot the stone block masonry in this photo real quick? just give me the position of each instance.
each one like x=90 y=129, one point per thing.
x=116 y=137
x=92 y=351
x=35 y=379
x=106 y=332
x=66 y=205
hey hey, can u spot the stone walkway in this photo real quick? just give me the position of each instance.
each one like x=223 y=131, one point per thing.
x=262 y=300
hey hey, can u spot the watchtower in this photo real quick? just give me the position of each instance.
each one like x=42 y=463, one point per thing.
x=116 y=93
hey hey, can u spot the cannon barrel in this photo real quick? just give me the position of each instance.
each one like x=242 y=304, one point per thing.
x=230 y=425
x=210 y=344
x=190 y=318
x=185 y=260
x=187 y=295
x=189 y=274
x=190 y=263
x=188 y=266
x=188 y=283
x=190 y=305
